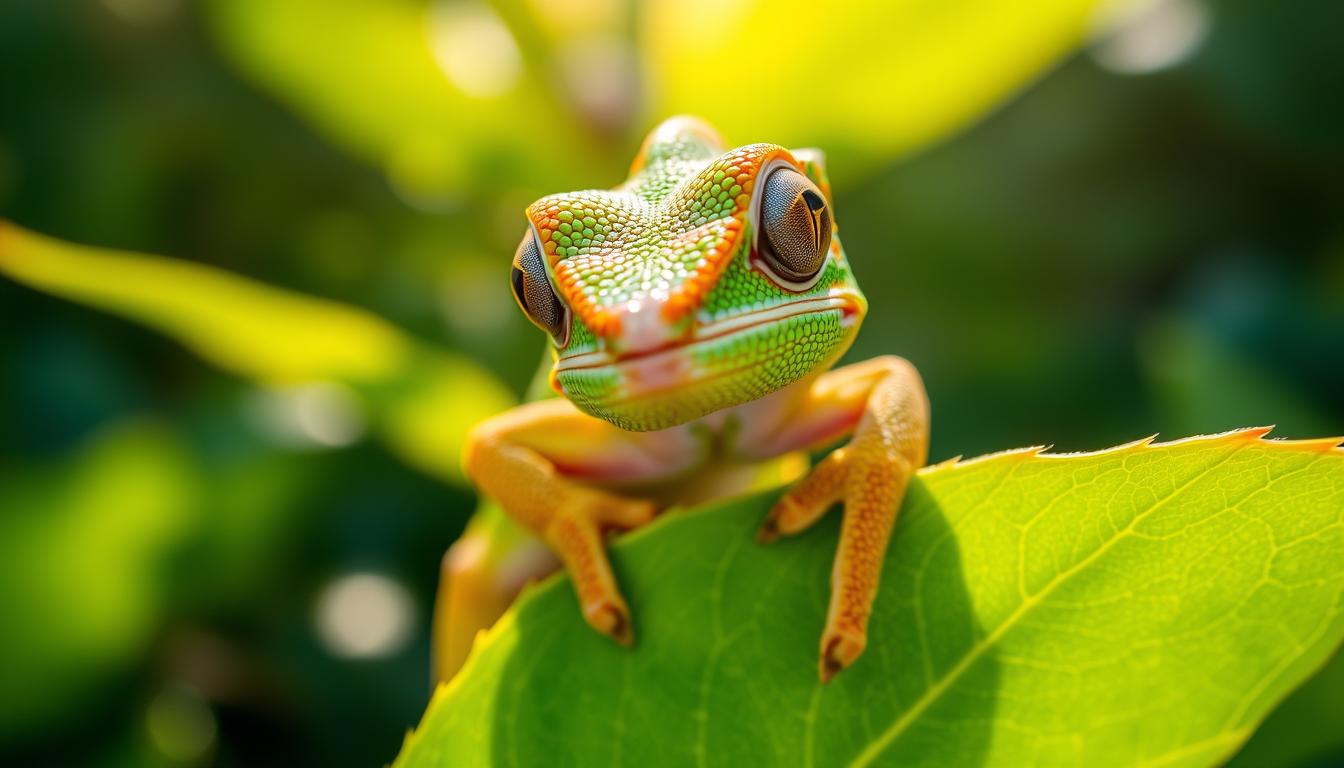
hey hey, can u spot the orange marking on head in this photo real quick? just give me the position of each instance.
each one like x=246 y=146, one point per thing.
x=664 y=236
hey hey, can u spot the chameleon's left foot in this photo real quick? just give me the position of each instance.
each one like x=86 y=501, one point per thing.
x=868 y=476
x=806 y=502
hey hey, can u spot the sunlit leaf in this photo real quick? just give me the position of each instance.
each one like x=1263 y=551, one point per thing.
x=436 y=94
x=872 y=80
x=257 y=331
x=419 y=398
x=82 y=556
x=1143 y=605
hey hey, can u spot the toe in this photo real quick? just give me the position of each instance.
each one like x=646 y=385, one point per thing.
x=624 y=514
x=769 y=530
x=838 y=651
x=611 y=619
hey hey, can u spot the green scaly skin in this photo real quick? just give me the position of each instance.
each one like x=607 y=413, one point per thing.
x=655 y=272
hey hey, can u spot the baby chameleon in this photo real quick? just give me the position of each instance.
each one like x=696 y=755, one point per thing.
x=695 y=312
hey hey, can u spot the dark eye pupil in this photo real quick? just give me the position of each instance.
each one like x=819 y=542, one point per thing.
x=519 y=285
x=795 y=224
x=533 y=290
x=813 y=200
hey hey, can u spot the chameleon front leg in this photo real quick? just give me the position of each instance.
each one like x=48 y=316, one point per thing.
x=534 y=461
x=882 y=402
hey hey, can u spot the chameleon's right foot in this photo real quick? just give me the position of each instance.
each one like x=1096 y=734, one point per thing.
x=576 y=534
x=513 y=457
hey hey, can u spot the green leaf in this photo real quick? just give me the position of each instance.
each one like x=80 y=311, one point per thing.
x=1144 y=605
x=419 y=398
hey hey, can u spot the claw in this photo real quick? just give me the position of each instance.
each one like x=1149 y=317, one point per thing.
x=768 y=532
x=623 y=633
x=838 y=652
x=613 y=621
x=829 y=668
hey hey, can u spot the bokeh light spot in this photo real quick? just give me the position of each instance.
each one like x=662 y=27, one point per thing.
x=323 y=415
x=364 y=616
x=474 y=49
x=1135 y=37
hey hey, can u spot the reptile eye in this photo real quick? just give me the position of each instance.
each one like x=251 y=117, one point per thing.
x=533 y=290
x=796 y=223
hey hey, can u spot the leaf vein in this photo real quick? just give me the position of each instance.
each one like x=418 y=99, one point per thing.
x=878 y=746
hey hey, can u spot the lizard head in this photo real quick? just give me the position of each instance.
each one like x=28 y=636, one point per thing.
x=709 y=278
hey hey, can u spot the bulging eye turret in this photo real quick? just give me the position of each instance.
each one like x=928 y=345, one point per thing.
x=533 y=290
x=795 y=225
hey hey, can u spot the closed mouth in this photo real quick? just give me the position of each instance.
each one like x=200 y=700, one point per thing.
x=849 y=304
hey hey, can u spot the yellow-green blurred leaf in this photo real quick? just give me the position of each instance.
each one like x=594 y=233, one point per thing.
x=259 y=332
x=81 y=553
x=873 y=78
x=419 y=398
x=436 y=94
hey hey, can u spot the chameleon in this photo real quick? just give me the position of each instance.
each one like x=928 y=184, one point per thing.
x=695 y=313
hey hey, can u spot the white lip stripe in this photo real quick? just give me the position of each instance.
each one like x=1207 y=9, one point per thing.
x=746 y=319
x=725 y=326
x=586 y=360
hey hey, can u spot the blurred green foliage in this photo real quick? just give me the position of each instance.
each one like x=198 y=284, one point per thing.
x=1106 y=255
x=82 y=550
x=335 y=365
